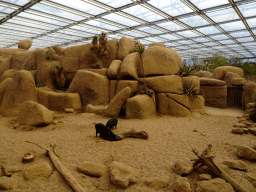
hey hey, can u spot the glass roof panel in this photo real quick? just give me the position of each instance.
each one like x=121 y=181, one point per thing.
x=170 y=26
x=201 y=40
x=143 y=13
x=17 y=2
x=208 y=30
x=240 y=34
x=233 y=26
x=252 y=22
x=204 y=4
x=242 y=40
x=219 y=37
x=171 y=7
x=194 y=21
x=248 y=9
x=115 y=3
x=5 y=10
x=223 y=15
x=121 y=20
x=188 y=34
x=81 y=6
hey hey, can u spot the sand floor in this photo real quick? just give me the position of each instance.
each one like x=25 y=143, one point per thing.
x=170 y=139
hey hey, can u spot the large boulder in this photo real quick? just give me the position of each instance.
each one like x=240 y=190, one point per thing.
x=112 y=46
x=249 y=93
x=102 y=71
x=214 y=185
x=128 y=69
x=238 y=82
x=156 y=44
x=8 y=53
x=3 y=86
x=220 y=72
x=166 y=105
x=7 y=183
x=215 y=96
x=125 y=45
x=165 y=84
x=58 y=101
x=159 y=60
x=117 y=103
x=9 y=73
x=34 y=114
x=43 y=75
x=140 y=107
x=205 y=81
x=92 y=88
x=203 y=74
x=20 y=89
x=59 y=50
x=38 y=56
x=122 y=175
x=127 y=83
x=25 y=44
x=193 y=81
x=5 y=63
x=113 y=69
x=229 y=76
x=112 y=89
x=86 y=57
x=19 y=58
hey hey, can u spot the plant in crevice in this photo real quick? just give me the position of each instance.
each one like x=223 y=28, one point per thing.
x=48 y=57
x=58 y=75
x=186 y=70
x=189 y=89
x=139 y=49
x=144 y=89
x=40 y=85
x=96 y=66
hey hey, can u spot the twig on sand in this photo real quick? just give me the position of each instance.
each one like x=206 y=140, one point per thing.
x=132 y=133
x=61 y=168
x=206 y=159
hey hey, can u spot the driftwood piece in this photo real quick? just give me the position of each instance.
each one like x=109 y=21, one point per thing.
x=62 y=169
x=132 y=133
x=206 y=159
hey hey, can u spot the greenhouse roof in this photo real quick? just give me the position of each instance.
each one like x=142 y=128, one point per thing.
x=193 y=28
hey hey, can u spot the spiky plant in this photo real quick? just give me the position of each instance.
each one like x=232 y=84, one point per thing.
x=139 y=49
x=186 y=70
x=189 y=89
x=58 y=74
x=48 y=56
x=96 y=66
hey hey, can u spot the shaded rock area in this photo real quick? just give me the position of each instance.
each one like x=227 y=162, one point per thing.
x=7 y=183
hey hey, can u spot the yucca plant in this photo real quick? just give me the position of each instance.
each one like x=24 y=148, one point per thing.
x=96 y=66
x=139 y=49
x=186 y=70
x=48 y=56
x=189 y=89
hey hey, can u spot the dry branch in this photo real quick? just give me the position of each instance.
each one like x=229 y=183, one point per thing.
x=206 y=159
x=132 y=133
x=61 y=168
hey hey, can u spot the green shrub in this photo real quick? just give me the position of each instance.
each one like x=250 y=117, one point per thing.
x=219 y=61
x=56 y=69
x=186 y=70
x=40 y=85
x=139 y=49
x=48 y=56
x=189 y=89
x=96 y=66
x=249 y=69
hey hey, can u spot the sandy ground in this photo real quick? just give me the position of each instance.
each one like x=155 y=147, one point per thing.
x=170 y=139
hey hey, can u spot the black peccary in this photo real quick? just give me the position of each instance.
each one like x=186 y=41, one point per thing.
x=112 y=123
x=104 y=132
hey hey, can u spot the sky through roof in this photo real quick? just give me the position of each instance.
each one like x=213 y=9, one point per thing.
x=193 y=28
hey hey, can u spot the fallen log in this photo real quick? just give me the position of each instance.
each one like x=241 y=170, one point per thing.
x=61 y=168
x=206 y=159
x=132 y=133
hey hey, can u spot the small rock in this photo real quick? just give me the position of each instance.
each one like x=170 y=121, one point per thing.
x=16 y=125
x=69 y=110
x=251 y=177
x=55 y=122
x=157 y=182
x=42 y=169
x=241 y=125
x=122 y=175
x=237 y=131
x=10 y=170
x=250 y=105
x=246 y=131
x=203 y=177
x=247 y=153
x=236 y=164
x=214 y=185
x=7 y=183
x=253 y=131
x=181 y=184
x=181 y=167
x=91 y=169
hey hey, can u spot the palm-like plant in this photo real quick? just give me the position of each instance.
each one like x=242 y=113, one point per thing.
x=186 y=70
x=189 y=89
